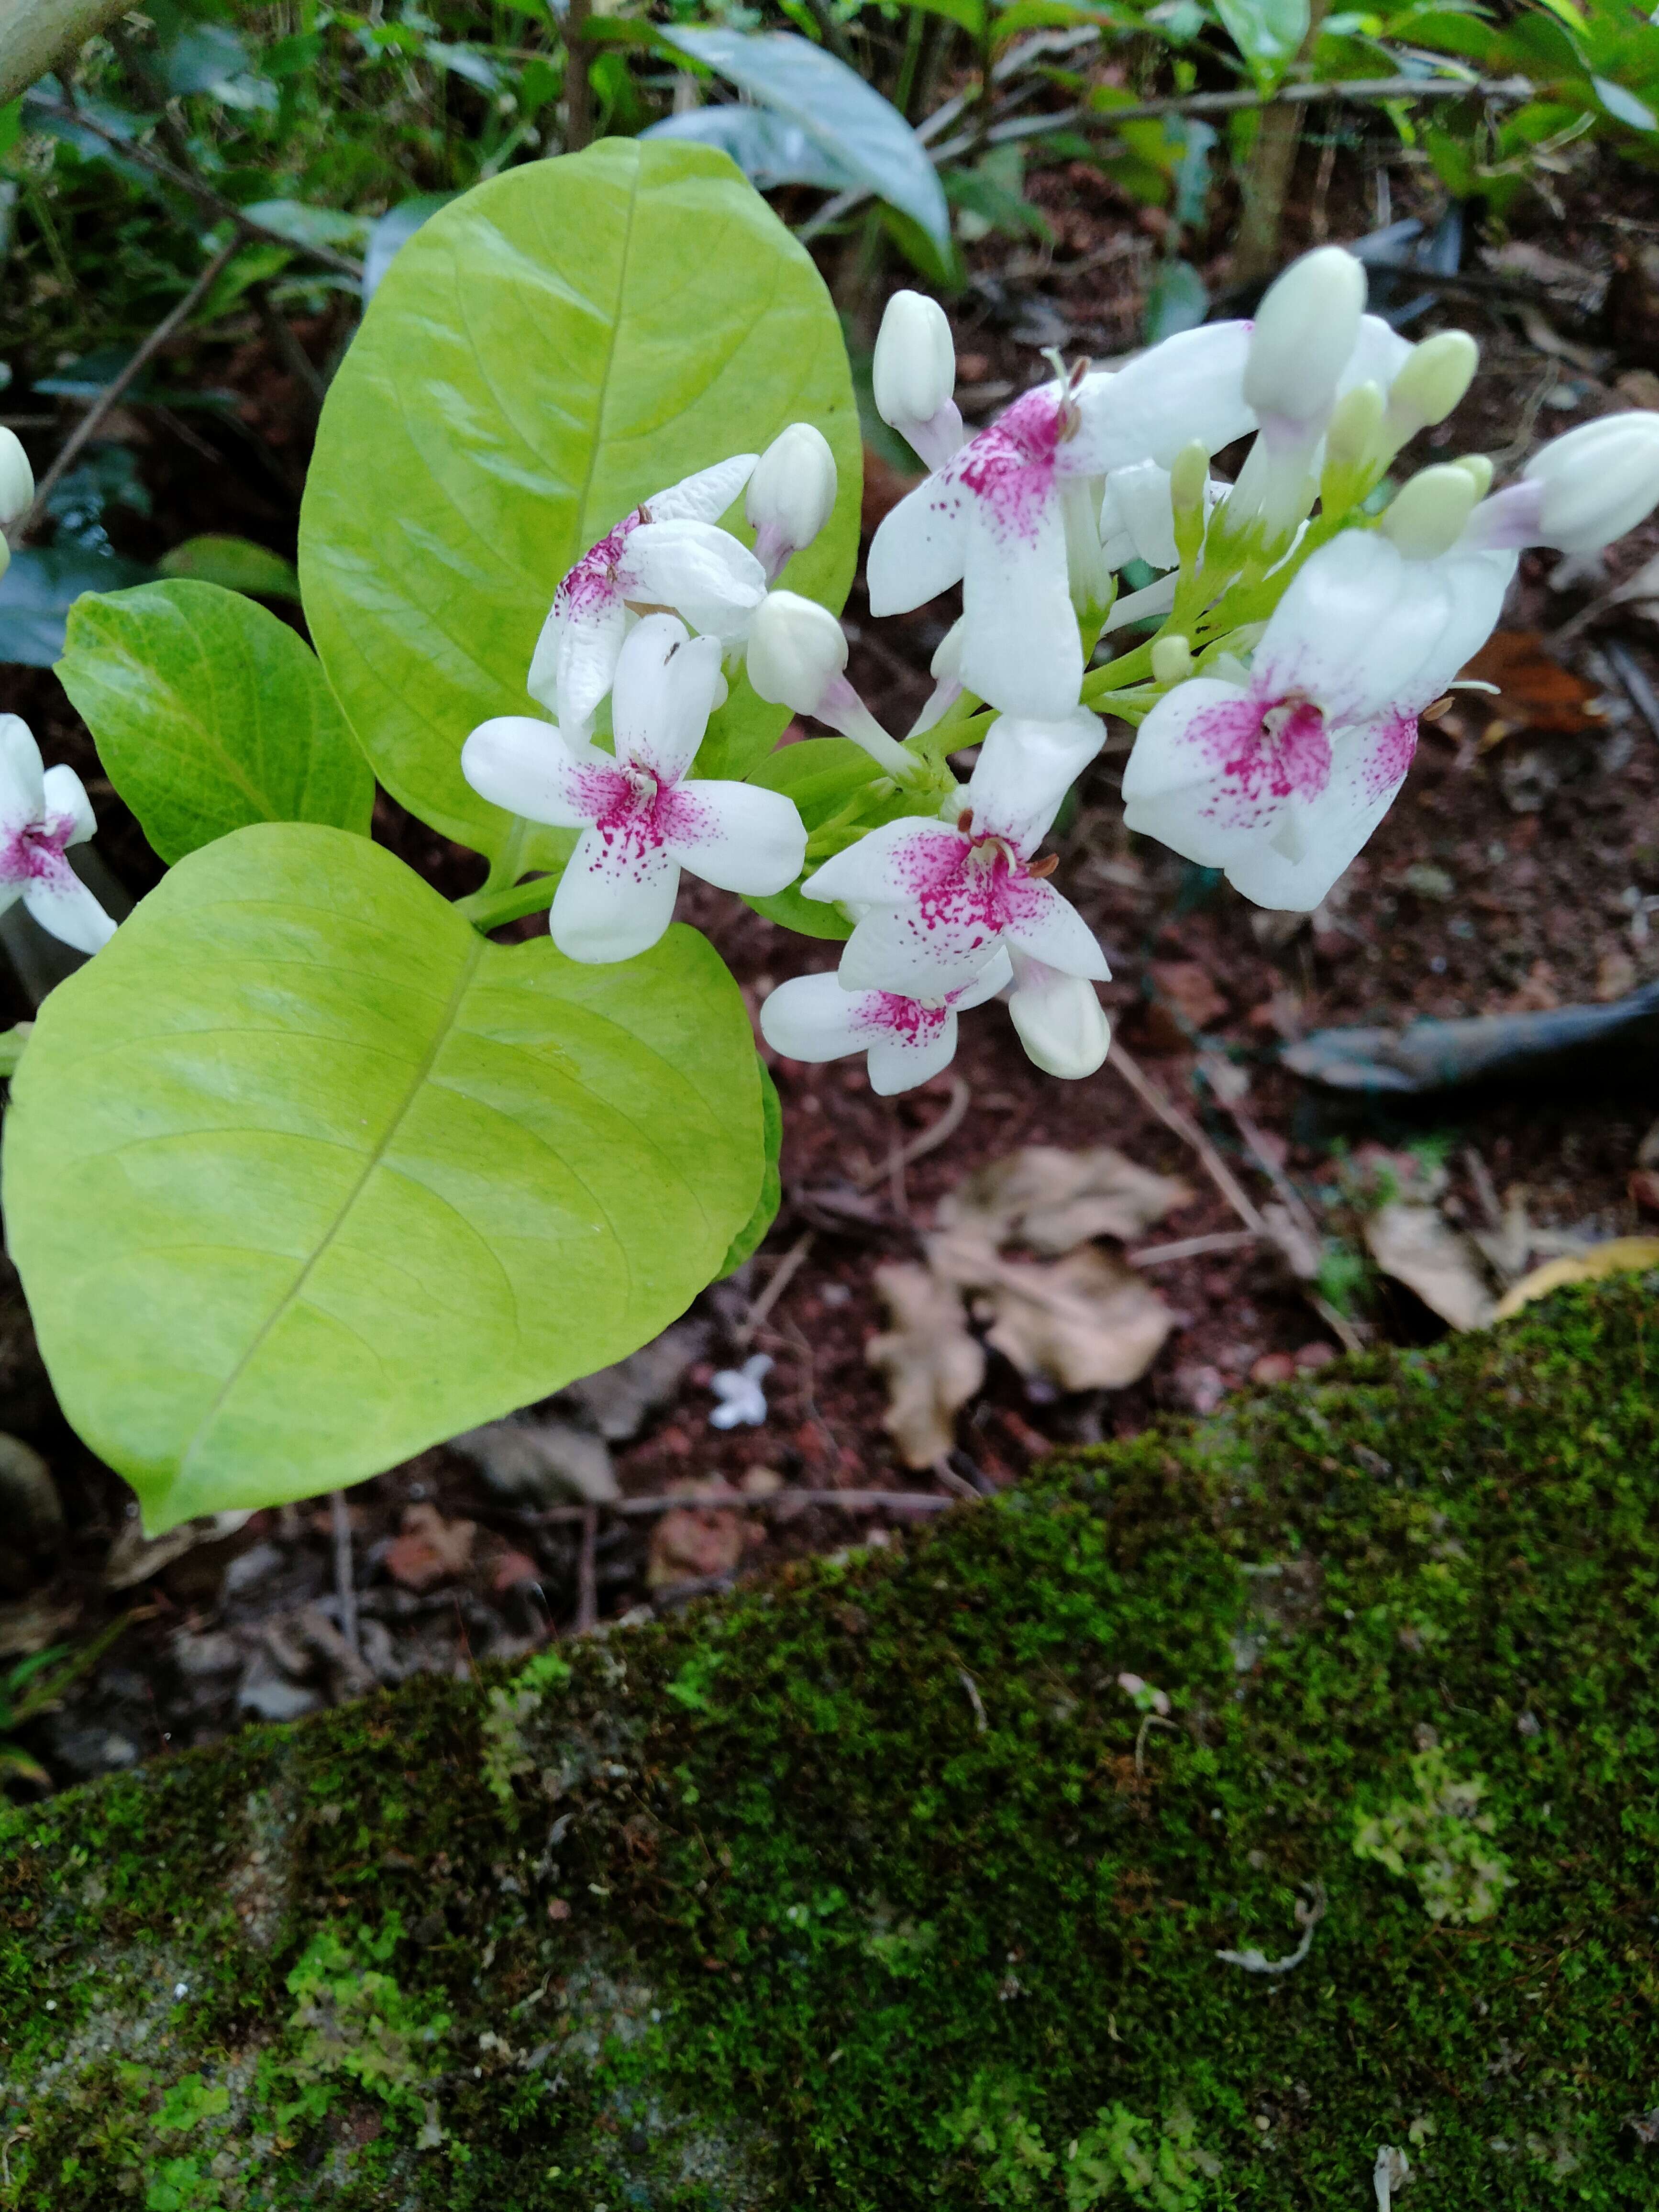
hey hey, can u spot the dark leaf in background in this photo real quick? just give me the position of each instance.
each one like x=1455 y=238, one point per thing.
x=39 y=588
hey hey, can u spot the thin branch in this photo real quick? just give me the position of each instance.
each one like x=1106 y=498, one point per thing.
x=113 y=391
x=588 y=1571
x=1155 y=1096
x=345 y=1579
x=214 y=203
x=843 y=1501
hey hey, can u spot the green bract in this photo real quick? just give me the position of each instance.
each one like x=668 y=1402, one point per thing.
x=209 y=714
x=543 y=354
x=303 y=1174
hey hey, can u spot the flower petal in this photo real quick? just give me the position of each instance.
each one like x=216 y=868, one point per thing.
x=62 y=905
x=810 y=1018
x=616 y=897
x=927 y=948
x=1020 y=647
x=1366 y=774
x=919 y=549
x=734 y=835
x=1191 y=385
x=526 y=766
x=1355 y=628
x=575 y=657
x=702 y=573
x=1049 y=928
x=1024 y=770
x=663 y=695
x=64 y=794
x=705 y=496
x=22 y=784
x=886 y=863
x=910 y=1043
x=1379 y=354
x=1209 y=779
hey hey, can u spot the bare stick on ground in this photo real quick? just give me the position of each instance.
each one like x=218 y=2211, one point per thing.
x=345 y=1578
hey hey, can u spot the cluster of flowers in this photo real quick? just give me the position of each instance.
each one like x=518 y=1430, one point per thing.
x=1277 y=705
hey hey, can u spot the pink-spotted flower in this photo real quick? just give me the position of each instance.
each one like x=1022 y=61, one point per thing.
x=666 y=554
x=905 y=1041
x=993 y=516
x=642 y=820
x=42 y=813
x=938 y=901
x=1280 y=780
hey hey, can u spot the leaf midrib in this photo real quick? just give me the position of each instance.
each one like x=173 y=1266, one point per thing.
x=376 y=1157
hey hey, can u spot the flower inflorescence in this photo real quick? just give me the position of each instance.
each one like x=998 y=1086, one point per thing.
x=1304 y=626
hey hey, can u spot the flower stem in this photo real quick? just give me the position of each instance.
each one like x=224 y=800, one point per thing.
x=487 y=908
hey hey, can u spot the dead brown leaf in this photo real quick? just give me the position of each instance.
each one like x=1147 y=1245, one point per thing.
x=1052 y=1200
x=1417 y=1247
x=1619 y=1255
x=1087 y=1323
x=932 y=1364
x=689 y=1545
x=430 y=1549
x=1188 y=989
x=134 y=1557
x=1534 y=691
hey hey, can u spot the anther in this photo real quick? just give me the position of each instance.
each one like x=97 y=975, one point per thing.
x=1045 y=867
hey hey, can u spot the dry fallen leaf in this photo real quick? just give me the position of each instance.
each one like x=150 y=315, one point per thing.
x=1534 y=691
x=690 y=1545
x=1087 y=1323
x=135 y=1557
x=430 y=1549
x=1053 y=1201
x=1614 y=1258
x=1188 y=989
x=33 y=1622
x=932 y=1365
x=1419 y=1247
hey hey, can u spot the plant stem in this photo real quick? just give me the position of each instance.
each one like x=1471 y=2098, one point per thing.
x=578 y=86
x=88 y=426
x=486 y=908
x=1268 y=179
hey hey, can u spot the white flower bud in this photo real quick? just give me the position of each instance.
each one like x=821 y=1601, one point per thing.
x=1060 y=1021
x=1426 y=515
x=1351 y=437
x=16 y=478
x=1477 y=469
x=1305 y=329
x=791 y=493
x=1172 y=658
x=1189 y=479
x=1432 y=380
x=945 y=667
x=1597 y=482
x=915 y=371
x=796 y=651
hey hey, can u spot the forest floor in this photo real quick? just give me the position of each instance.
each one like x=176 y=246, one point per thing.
x=1517 y=874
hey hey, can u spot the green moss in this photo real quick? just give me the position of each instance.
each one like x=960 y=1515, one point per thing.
x=877 y=1887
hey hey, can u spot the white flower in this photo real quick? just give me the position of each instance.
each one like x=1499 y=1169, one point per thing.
x=742 y=1401
x=1303 y=340
x=642 y=820
x=797 y=659
x=667 y=553
x=1280 y=781
x=1060 y=1021
x=937 y=900
x=906 y=1041
x=1583 y=490
x=914 y=375
x=993 y=516
x=791 y=494
x=42 y=814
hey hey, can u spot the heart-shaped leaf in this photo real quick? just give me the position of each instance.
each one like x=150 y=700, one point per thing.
x=303 y=1174
x=544 y=354
x=210 y=714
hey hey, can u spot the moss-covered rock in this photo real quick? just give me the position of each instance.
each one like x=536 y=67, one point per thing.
x=879 y=1887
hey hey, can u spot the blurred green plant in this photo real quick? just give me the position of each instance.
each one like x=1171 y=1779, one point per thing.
x=33 y=1686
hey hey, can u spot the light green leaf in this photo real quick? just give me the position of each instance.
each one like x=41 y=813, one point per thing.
x=1267 y=32
x=236 y=563
x=828 y=778
x=303 y=1174
x=209 y=713
x=748 y=1238
x=544 y=354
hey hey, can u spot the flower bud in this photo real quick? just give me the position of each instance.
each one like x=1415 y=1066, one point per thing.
x=1352 y=438
x=16 y=478
x=1305 y=329
x=1427 y=513
x=1597 y=482
x=1189 y=479
x=1478 y=468
x=1060 y=1021
x=1432 y=380
x=1172 y=658
x=915 y=373
x=796 y=651
x=791 y=494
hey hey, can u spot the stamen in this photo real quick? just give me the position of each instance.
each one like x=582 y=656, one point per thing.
x=1436 y=708
x=965 y=820
x=1045 y=867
